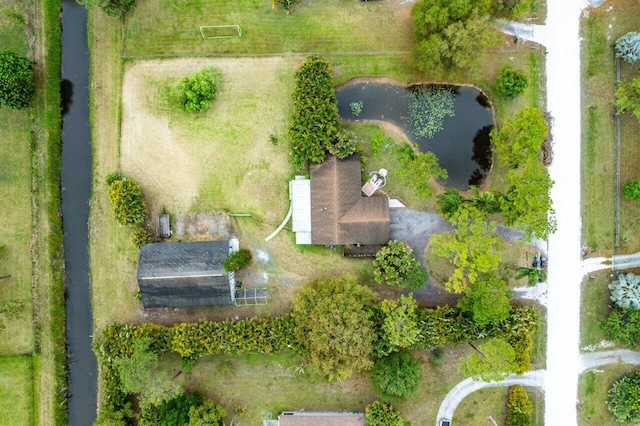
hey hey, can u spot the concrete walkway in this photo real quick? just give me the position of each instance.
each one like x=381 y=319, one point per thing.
x=468 y=386
x=598 y=359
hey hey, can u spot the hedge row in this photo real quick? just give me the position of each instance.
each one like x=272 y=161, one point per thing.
x=519 y=407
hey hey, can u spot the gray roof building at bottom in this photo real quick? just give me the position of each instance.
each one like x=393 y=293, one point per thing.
x=321 y=419
x=184 y=274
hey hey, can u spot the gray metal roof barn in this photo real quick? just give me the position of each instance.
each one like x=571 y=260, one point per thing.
x=185 y=274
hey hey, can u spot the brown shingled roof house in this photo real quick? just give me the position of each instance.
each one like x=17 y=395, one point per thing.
x=339 y=213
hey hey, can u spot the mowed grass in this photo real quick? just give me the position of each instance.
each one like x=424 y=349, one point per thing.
x=595 y=307
x=593 y=387
x=16 y=391
x=600 y=28
x=15 y=188
x=160 y=27
x=270 y=384
x=491 y=403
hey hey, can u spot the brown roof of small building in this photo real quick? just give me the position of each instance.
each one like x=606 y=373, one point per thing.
x=321 y=419
x=339 y=214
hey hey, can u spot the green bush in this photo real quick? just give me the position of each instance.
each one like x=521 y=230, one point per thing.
x=511 y=83
x=237 y=260
x=127 y=202
x=396 y=376
x=437 y=357
x=623 y=326
x=112 y=7
x=380 y=413
x=624 y=399
x=631 y=190
x=519 y=407
x=196 y=92
x=17 y=84
x=395 y=265
x=140 y=236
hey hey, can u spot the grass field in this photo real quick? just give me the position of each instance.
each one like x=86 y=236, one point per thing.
x=595 y=308
x=16 y=391
x=474 y=409
x=593 y=387
x=15 y=187
x=600 y=29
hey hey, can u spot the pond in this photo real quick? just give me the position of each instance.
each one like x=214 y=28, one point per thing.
x=462 y=146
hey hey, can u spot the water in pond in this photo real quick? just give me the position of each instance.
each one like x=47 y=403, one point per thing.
x=462 y=147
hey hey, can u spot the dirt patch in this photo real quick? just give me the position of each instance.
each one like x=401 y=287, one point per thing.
x=203 y=227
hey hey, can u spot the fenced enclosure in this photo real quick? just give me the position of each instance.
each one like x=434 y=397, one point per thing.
x=220 y=31
x=251 y=297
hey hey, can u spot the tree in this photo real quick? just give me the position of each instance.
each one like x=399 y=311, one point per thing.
x=511 y=83
x=519 y=407
x=395 y=265
x=625 y=291
x=111 y=7
x=473 y=247
x=631 y=190
x=207 y=414
x=495 y=361
x=623 y=326
x=237 y=260
x=527 y=204
x=628 y=97
x=534 y=275
x=519 y=139
x=380 y=413
x=127 y=202
x=624 y=398
x=396 y=376
x=140 y=236
x=450 y=201
x=333 y=320
x=429 y=105
x=17 y=84
x=487 y=202
x=400 y=327
x=196 y=92
x=487 y=300
x=628 y=47
x=314 y=121
x=175 y=411
x=417 y=169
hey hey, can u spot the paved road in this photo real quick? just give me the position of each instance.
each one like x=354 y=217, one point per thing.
x=468 y=386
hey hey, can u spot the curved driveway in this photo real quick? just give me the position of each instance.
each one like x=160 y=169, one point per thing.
x=468 y=386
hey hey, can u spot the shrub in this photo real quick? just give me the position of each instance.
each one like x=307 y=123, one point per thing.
x=237 y=260
x=196 y=92
x=437 y=357
x=395 y=265
x=628 y=47
x=396 y=376
x=428 y=107
x=127 y=202
x=631 y=190
x=380 y=140
x=624 y=399
x=623 y=326
x=511 y=83
x=625 y=291
x=380 y=413
x=519 y=407
x=114 y=7
x=140 y=236
x=628 y=97
x=17 y=84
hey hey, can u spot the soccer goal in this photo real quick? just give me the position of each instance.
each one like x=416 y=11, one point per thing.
x=220 y=31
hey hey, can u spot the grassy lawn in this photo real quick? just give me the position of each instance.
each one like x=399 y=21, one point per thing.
x=595 y=308
x=476 y=408
x=15 y=187
x=592 y=394
x=16 y=391
x=601 y=27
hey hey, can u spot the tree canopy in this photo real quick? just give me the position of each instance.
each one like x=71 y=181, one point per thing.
x=487 y=300
x=400 y=326
x=496 y=361
x=628 y=47
x=334 y=322
x=628 y=97
x=395 y=265
x=396 y=376
x=17 y=84
x=624 y=399
x=417 y=170
x=196 y=92
x=126 y=199
x=380 y=413
x=510 y=83
x=473 y=247
x=519 y=139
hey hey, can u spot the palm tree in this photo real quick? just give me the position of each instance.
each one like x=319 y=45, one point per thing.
x=487 y=202
x=534 y=275
x=450 y=202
